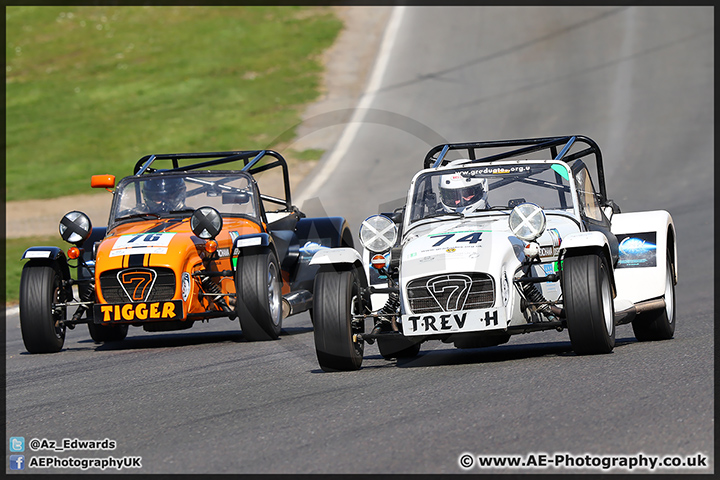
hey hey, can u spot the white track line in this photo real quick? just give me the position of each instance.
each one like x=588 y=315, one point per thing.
x=348 y=135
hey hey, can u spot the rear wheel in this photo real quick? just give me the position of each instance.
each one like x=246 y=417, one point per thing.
x=337 y=297
x=659 y=324
x=40 y=320
x=259 y=293
x=589 y=304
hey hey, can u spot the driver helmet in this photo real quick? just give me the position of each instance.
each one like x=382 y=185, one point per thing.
x=164 y=194
x=458 y=192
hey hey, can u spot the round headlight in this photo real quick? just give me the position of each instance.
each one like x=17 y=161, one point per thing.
x=527 y=221
x=206 y=223
x=75 y=227
x=378 y=233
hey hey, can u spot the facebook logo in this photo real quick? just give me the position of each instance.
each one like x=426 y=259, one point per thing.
x=17 y=444
x=17 y=462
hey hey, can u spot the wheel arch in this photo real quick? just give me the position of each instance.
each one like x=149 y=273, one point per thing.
x=343 y=260
x=317 y=234
x=334 y=229
x=594 y=250
x=254 y=243
x=346 y=267
x=55 y=258
x=672 y=250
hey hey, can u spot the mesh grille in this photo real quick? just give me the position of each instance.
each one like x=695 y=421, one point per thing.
x=163 y=288
x=451 y=292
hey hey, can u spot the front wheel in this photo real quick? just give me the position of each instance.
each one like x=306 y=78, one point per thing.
x=589 y=304
x=102 y=333
x=40 y=319
x=659 y=324
x=337 y=298
x=259 y=293
x=397 y=346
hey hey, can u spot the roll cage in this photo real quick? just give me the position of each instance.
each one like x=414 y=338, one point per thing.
x=253 y=161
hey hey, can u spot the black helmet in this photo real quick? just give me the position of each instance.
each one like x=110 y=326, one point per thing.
x=163 y=194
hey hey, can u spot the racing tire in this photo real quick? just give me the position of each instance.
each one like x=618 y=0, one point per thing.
x=103 y=333
x=259 y=295
x=397 y=347
x=659 y=324
x=589 y=304
x=336 y=346
x=41 y=287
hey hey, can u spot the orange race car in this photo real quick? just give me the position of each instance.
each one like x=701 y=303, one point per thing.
x=185 y=241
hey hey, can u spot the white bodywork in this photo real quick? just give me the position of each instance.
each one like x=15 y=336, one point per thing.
x=332 y=256
x=640 y=272
x=447 y=260
x=447 y=247
x=437 y=250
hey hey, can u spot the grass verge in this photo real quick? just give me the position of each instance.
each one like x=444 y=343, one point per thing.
x=97 y=87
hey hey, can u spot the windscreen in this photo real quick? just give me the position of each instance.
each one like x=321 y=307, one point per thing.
x=180 y=194
x=477 y=188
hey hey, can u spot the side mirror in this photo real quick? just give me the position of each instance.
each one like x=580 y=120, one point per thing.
x=102 y=181
x=396 y=216
x=614 y=208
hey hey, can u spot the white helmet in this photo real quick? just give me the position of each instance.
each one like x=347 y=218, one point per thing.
x=459 y=193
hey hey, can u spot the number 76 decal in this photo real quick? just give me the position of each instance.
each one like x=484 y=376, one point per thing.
x=142 y=243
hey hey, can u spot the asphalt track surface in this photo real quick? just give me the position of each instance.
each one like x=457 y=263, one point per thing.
x=639 y=81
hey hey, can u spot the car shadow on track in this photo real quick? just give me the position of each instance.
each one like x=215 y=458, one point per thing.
x=295 y=331
x=166 y=340
x=160 y=340
x=452 y=356
x=502 y=353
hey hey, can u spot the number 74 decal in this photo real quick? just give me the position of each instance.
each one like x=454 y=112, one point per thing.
x=472 y=238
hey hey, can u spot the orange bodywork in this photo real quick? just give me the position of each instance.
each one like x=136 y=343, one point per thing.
x=167 y=244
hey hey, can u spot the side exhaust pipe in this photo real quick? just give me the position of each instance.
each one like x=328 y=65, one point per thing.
x=296 y=302
x=626 y=316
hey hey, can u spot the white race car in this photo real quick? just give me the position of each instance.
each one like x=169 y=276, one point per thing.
x=517 y=241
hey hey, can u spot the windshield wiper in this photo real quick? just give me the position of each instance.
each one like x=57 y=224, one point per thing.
x=183 y=210
x=442 y=214
x=138 y=215
x=493 y=208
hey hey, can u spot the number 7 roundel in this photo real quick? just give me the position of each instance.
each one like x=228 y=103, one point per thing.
x=137 y=283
